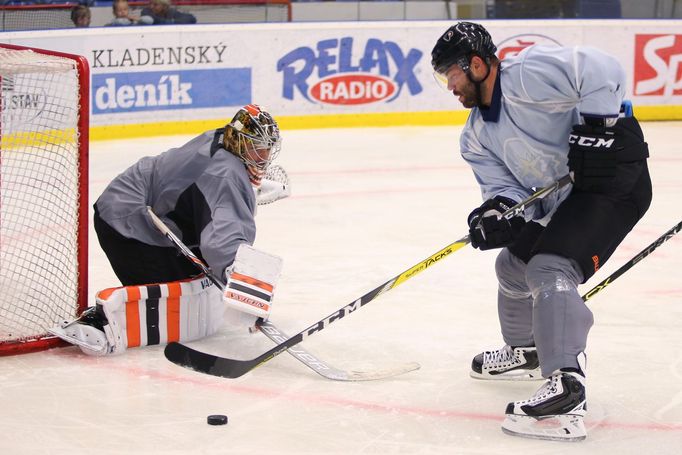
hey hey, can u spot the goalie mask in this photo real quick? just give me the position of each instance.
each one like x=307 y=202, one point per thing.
x=253 y=135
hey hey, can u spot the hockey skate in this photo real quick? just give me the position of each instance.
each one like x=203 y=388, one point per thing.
x=554 y=413
x=507 y=363
x=89 y=332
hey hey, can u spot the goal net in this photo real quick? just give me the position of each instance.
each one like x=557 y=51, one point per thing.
x=35 y=17
x=233 y=11
x=43 y=17
x=43 y=194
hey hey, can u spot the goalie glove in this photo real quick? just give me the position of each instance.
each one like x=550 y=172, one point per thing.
x=251 y=281
x=273 y=186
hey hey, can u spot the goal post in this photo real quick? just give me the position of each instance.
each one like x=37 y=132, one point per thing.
x=44 y=121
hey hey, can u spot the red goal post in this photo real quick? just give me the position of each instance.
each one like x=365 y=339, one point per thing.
x=44 y=118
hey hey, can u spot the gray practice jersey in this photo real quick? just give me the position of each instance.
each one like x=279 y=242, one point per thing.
x=521 y=141
x=200 y=190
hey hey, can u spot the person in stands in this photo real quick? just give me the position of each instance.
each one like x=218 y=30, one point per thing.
x=123 y=15
x=80 y=16
x=163 y=13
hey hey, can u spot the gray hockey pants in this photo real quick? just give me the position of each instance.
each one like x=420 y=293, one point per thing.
x=539 y=304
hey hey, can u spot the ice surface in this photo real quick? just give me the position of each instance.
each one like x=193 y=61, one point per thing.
x=366 y=205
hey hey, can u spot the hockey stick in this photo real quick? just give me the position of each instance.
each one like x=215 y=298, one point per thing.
x=232 y=368
x=277 y=336
x=628 y=265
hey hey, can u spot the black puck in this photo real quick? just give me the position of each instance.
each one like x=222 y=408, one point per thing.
x=216 y=419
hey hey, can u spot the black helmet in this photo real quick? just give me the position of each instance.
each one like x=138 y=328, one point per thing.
x=457 y=45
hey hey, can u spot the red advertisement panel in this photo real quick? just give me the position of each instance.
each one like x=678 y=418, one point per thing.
x=658 y=65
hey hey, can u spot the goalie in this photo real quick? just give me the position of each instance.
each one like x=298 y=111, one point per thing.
x=207 y=192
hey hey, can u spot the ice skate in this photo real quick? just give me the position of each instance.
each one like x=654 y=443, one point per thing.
x=87 y=331
x=507 y=363
x=554 y=413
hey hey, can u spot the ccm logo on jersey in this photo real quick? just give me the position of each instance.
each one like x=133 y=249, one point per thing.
x=586 y=141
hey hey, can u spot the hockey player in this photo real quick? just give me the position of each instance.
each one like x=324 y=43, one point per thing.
x=534 y=118
x=206 y=191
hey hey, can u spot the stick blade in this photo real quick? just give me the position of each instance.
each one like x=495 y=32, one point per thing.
x=384 y=373
x=203 y=362
x=326 y=370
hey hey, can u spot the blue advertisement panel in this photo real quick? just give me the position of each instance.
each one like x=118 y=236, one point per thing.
x=166 y=90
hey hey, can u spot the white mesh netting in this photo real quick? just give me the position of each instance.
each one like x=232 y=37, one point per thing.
x=39 y=193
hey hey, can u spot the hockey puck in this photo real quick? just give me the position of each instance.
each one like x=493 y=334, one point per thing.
x=216 y=419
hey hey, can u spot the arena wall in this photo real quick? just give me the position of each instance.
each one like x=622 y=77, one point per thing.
x=184 y=79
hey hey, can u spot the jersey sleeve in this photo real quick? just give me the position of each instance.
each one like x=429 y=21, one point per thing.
x=565 y=78
x=232 y=205
x=601 y=83
x=491 y=173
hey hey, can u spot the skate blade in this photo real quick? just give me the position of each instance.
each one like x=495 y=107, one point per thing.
x=568 y=427
x=60 y=333
x=510 y=376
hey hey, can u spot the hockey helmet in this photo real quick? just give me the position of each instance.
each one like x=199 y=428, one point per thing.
x=458 y=44
x=253 y=135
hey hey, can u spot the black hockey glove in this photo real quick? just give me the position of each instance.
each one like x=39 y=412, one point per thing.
x=592 y=157
x=487 y=230
x=594 y=153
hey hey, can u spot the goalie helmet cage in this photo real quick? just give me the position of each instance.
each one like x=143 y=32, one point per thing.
x=44 y=113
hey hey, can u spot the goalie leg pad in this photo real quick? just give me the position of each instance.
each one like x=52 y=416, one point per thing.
x=251 y=281
x=182 y=311
x=132 y=316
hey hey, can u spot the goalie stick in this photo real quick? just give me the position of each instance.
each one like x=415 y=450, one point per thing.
x=231 y=368
x=277 y=336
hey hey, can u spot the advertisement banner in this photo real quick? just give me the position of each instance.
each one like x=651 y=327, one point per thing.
x=658 y=66
x=350 y=70
x=170 y=90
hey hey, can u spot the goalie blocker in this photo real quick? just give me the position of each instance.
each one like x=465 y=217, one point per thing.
x=251 y=281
